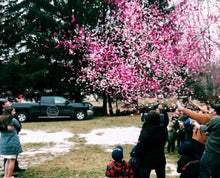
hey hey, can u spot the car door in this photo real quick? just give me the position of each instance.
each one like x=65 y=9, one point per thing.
x=63 y=105
x=47 y=107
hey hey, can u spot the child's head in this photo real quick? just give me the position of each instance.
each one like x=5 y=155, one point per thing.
x=132 y=153
x=117 y=153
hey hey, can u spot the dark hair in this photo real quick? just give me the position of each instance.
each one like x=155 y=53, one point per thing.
x=2 y=102
x=152 y=118
x=216 y=108
x=5 y=120
x=8 y=110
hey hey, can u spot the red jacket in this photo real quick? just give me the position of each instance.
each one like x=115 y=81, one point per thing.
x=119 y=170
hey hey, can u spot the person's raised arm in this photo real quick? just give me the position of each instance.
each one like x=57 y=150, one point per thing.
x=201 y=118
x=198 y=106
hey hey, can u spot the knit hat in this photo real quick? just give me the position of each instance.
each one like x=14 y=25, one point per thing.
x=117 y=153
x=132 y=153
x=216 y=108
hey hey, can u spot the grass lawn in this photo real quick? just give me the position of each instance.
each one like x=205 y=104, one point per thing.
x=83 y=160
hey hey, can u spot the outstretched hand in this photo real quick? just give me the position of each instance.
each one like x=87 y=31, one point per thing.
x=179 y=105
x=192 y=103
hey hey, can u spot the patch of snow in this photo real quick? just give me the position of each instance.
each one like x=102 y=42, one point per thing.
x=38 y=136
x=172 y=168
x=60 y=144
x=113 y=136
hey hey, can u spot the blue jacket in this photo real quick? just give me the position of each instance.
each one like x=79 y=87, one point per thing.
x=10 y=143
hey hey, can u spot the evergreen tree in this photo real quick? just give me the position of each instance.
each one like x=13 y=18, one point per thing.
x=30 y=30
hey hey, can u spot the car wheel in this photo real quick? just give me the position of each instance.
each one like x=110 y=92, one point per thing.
x=80 y=115
x=22 y=116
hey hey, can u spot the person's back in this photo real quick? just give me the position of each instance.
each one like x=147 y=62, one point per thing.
x=119 y=168
x=150 y=147
x=187 y=164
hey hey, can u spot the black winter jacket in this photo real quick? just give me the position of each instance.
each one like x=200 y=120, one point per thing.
x=150 y=147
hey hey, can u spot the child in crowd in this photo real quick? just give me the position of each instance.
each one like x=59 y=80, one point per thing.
x=134 y=164
x=171 y=139
x=187 y=165
x=119 y=168
x=180 y=134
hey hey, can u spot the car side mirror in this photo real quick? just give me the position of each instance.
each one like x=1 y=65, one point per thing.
x=67 y=102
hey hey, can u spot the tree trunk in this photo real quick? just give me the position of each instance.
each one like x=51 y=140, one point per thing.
x=104 y=109
x=110 y=106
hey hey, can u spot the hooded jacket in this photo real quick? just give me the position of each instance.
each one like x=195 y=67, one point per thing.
x=150 y=147
x=119 y=170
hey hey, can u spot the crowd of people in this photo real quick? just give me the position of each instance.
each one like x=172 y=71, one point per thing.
x=10 y=146
x=194 y=132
